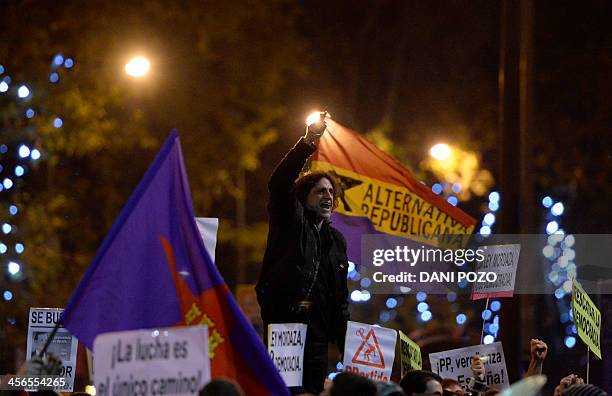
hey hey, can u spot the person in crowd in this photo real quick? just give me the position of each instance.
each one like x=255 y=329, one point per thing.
x=537 y=350
x=478 y=385
x=584 y=390
x=566 y=382
x=221 y=387
x=303 y=277
x=451 y=387
x=350 y=384
x=388 y=388
x=421 y=382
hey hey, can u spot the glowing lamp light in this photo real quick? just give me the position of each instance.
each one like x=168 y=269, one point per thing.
x=30 y=113
x=489 y=219
x=24 y=151
x=422 y=307
x=391 y=303
x=35 y=154
x=570 y=342
x=488 y=339
x=485 y=231
x=426 y=316
x=493 y=206
x=436 y=188
x=453 y=200
x=3 y=248
x=461 y=319
x=557 y=209
x=552 y=227
x=4 y=86
x=313 y=118
x=8 y=296
x=13 y=268
x=23 y=92
x=440 y=151
x=138 y=67
x=495 y=306
x=351 y=266
x=7 y=183
x=547 y=202
x=68 y=63
x=58 y=60
x=57 y=123
x=421 y=296
x=365 y=282
x=19 y=248
x=494 y=197
x=6 y=228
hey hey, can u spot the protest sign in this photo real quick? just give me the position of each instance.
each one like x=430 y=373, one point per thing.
x=369 y=350
x=286 y=347
x=456 y=364
x=208 y=227
x=503 y=261
x=411 y=354
x=587 y=319
x=152 y=362
x=63 y=345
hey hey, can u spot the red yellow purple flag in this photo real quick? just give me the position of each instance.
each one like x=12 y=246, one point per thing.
x=381 y=196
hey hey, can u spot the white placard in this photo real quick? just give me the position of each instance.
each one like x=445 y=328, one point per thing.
x=503 y=261
x=63 y=345
x=456 y=364
x=369 y=350
x=208 y=227
x=152 y=362
x=286 y=348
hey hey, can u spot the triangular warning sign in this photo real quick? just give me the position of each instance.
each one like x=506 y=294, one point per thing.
x=372 y=356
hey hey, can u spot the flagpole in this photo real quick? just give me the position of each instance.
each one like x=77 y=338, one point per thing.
x=50 y=338
x=588 y=358
x=484 y=320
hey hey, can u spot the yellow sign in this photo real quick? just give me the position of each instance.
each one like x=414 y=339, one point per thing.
x=411 y=354
x=587 y=319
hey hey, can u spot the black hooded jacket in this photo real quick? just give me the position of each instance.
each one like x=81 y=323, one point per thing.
x=293 y=247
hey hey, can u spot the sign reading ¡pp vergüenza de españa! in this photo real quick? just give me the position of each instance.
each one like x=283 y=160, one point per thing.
x=152 y=362
x=63 y=345
x=286 y=348
x=503 y=261
x=456 y=364
x=587 y=319
x=369 y=350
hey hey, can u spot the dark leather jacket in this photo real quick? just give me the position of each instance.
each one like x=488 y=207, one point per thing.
x=288 y=263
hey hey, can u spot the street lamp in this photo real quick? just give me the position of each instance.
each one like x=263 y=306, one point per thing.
x=138 y=66
x=440 y=151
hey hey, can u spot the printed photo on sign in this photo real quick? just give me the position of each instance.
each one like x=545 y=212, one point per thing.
x=369 y=350
x=63 y=345
x=456 y=364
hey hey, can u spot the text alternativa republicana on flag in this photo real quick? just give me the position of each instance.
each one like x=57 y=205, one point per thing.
x=381 y=196
x=152 y=270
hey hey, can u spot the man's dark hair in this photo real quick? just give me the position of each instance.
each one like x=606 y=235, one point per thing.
x=415 y=381
x=352 y=384
x=305 y=183
x=584 y=390
x=221 y=387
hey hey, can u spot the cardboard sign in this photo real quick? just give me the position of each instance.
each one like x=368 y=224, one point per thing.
x=411 y=354
x=152 y=362
x=369 y=350
x=456 y=364
x=63 y=345
x=502 y=260
x=587 y=319
x=286 y=347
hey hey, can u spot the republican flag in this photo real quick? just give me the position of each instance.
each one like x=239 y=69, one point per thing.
x=152 y=270
x=381 y=196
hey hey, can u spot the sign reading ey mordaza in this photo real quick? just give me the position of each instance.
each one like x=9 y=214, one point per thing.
x=456 y=364
x=152 y=362
x=63 y=345
x=587 y=319
x=286 y=348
